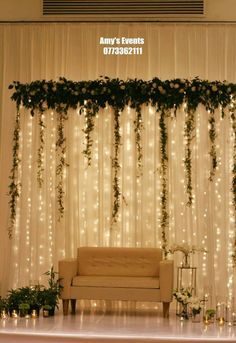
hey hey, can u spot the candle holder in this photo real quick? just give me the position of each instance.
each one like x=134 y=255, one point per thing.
x=34 y=314
x=14 y=314
x=220 y=312
x=221 y=321
x=233 y=318
x=206 y=319
x=229 y=315
x=45 y=313
x=4 y=314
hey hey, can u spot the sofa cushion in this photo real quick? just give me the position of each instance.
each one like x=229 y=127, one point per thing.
x=116 y=281
x=119 y=261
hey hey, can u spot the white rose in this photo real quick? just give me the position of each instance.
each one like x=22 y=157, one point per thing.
x=44 y=105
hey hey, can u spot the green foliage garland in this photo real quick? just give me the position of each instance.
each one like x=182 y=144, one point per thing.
x=116 y=166
x=164 y=220
x=90 y=111
x=189 y=135
x=233 y=189
x=60 y=168
x=41 y=150
x=138 y=126
x=14 y=186
x=165 y=95
x=212 y=136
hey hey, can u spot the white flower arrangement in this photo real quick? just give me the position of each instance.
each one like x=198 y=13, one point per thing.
x=195 y=305
x=183 y=296
x=186 y=248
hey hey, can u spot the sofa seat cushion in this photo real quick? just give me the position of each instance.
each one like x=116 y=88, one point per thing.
x=116 y=281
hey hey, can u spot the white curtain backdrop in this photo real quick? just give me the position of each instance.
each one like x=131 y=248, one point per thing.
x=47 y=51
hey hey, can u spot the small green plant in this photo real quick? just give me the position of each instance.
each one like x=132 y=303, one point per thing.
x=24 y=309
x=47 y=307
x=51 y=294
x=24 y=306
x=210 y=313
x=32 y=296
x=3 y=304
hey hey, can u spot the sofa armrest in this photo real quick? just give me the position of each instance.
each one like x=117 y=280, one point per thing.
x=67 y=270
x=166 y=280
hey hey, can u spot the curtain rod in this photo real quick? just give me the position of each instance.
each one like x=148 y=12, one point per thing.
x=116 y=21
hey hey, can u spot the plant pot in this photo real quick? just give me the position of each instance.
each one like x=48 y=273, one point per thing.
x=52 y=311
x=46 y=313
x=23 y=313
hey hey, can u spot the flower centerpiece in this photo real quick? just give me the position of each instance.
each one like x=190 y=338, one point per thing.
x=183 y=297
x=195 y=305
x=187 y=250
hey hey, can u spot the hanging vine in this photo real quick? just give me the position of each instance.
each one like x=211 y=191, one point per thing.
x=62 y=164
x=233 y=188
x=15 y=185
x=41 y=149
x=164 y=220
x=189 y=135
x=212 y=136
x=138 y=127
x=116 y=166
x=90 y=111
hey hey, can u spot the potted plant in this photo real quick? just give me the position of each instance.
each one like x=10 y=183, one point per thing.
x=36 y=298
x=24 y=309
x=210 y=315
x=3 y=307
x=13 y=299
x=47 y=310
x=25 y=295
x=51 y=294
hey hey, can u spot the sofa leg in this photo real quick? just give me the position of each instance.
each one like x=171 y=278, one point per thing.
x=166 y=307
x=73 y=305
x=65 y=303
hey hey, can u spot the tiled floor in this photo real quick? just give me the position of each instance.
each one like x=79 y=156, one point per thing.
x=117 y=326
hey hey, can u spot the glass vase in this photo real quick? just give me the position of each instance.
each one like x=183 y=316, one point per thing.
x=186 y=261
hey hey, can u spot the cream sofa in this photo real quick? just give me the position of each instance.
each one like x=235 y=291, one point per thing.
x=135 y=274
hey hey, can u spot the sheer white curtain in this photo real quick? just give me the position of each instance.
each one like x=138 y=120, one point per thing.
x=34 y=51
